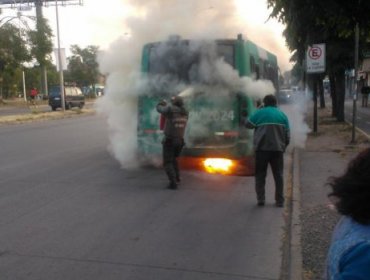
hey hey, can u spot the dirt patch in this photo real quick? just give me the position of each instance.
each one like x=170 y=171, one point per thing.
x=42 y=116
x=327 y=127
x=19 y=102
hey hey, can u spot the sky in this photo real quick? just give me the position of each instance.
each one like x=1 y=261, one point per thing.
x=100 y=23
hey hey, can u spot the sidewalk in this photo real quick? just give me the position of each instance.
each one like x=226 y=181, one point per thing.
x=326 y=154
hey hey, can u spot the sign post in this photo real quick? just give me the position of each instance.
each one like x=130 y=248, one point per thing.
x=354 y=114
x=315 y=58
x=315 y=64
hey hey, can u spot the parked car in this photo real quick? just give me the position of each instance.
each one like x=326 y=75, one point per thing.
x=285 y=96
x=73 y=97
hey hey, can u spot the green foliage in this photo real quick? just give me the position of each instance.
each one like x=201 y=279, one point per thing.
x=13 y=53
x=297 y=74
x=13 y=49
x=33 y=76
x=331 y=22
x=41 y=41
x=83 y=68
x=53 y=74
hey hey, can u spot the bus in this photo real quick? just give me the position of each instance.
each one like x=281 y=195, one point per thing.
x=208 y=76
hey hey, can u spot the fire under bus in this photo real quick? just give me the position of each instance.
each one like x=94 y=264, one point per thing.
x=216 y=139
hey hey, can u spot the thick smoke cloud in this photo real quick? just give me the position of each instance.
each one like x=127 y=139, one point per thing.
x=156 y=21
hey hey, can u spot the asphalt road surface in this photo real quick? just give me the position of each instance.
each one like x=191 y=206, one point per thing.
x=362 y=115
x=69 y=211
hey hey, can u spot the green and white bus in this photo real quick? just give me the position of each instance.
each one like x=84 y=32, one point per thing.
x=216 y=139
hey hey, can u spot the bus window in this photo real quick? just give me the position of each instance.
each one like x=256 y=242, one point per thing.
x=227 y=52
x=179 y=61
x=266 y=72
x=258 y=75
x=253 y=67
x=272 y=75
x=243 y=108
x=261 y=69
x=174 y=60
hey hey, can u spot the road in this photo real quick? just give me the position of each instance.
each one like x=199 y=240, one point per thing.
x=362 y=115
x=69 y=211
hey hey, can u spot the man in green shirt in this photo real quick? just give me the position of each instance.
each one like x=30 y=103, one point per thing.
x=271 y=137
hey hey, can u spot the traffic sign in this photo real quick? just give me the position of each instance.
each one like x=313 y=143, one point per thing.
x=315 y=58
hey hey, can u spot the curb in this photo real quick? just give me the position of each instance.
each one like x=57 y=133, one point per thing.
x=295 y=248
x=360 y=131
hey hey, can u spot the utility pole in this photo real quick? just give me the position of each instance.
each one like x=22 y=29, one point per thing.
x=39 y=16
x=354 y=115
x=314 y=87
x=61 y=78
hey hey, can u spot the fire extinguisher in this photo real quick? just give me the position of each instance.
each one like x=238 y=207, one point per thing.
x=162 y=122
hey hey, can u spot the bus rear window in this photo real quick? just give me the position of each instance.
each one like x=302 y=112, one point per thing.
x=181 y=60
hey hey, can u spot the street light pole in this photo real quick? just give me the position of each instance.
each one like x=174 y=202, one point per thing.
x=61 y=78
x=24 y=85
x=23 y=73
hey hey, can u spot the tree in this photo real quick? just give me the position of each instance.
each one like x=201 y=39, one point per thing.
x=297 y=73
x=33 y=76
x=332 y=22
x=41 y=45
x=41 y=41
x=83 y=68
x=13 y=53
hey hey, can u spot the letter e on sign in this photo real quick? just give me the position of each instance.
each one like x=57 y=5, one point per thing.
x=315 y=53
x=315 y=58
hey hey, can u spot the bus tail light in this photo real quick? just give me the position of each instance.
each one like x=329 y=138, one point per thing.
x=218 y=165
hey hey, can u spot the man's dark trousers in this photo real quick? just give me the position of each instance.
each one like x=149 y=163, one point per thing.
x=171 y=150
x=276 y=161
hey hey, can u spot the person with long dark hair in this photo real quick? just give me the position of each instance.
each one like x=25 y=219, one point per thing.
x=349 y=252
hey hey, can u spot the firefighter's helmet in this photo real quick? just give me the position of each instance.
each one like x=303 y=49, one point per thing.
x=177 y=101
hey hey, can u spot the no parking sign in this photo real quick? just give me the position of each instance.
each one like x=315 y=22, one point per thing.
x=315 y=58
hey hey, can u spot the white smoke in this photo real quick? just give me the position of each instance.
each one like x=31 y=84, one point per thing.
x=296 y=112
x=155 y=21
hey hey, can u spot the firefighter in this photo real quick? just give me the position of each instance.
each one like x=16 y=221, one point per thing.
x=176 y=118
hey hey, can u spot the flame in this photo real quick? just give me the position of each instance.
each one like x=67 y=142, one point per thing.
x=218 y=165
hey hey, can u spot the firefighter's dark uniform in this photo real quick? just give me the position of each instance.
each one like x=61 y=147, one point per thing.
x=176 y=119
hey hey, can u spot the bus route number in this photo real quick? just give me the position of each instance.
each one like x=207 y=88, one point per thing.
x=213 y=115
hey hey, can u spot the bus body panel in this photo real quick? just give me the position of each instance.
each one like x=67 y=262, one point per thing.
x=216 y=121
